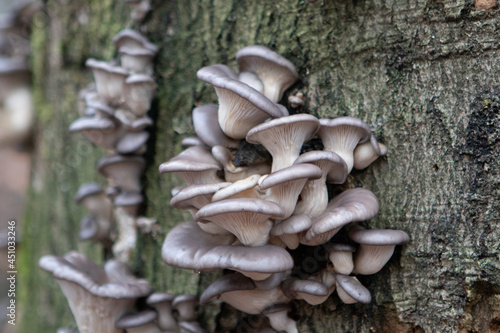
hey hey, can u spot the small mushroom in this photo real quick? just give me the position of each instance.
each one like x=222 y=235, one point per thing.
x=138 y=92
x=350 y=290
x=136 y=60
x=124 y=171
x=314 y=195
x=353 y=205
x=342 y=135
x=98 y=226
x=109 y=80
x=140 y=322
x=243 y=188
x=278 y=318
x=195 y=165
x=283 y=137
x=275 y=71
x=284 y=186
x=313 y=292
x=366 y=153
x=240 y=106
x=132 y=39
x=246 y=218
x=162 y=302
x=375 y=247
x=185 y=306
x=340 y=256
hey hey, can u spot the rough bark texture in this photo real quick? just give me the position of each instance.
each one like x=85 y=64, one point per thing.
x=423 y=74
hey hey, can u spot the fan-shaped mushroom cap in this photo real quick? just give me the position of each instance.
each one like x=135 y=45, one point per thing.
x=136 y=60
x=192 y=141
x=185 y=305
x=97 y=226
x=187 y=246
x=353 y=205
x=366 y=153
x=350 y=290
x=313 y=292
x=207 y=127
x=97 y=297
x=278 y=318
x=252 y=80
x=109 y=80
x=100 y=131
x=100 y=109
x=342 y=135
x=283 y=137
x=275 y=71
x=376 y=247
x=286 y=184
x=243 y=188
x=240 y=292
x=138 y=93
x=132 y=39
x=131 y=122
x=340 y=256
x=314 y=195
x=240 y=106
x=246 y=218
x=162 y=302
x=140 y=322
x=130 y=201
x=288 y=230
x=195 y=165
x=195 y=196
x=232 y=173
x=125 y=171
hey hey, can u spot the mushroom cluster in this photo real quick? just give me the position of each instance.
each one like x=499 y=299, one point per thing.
x=114 y=116
x=257 y=189
x=104 y=299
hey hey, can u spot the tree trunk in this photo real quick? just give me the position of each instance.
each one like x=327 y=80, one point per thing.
x=422 y=74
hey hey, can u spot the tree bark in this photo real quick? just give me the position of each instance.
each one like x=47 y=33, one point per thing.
x=422 y=74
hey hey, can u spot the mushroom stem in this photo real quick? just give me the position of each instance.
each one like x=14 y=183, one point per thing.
x=127 y=235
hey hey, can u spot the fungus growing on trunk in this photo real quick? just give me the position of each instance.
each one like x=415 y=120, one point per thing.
x=97 y=297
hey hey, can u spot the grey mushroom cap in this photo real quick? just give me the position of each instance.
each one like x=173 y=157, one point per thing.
x=128 y=199
x=338 y=247
x=192 y=141
x=283 y=137
x=293 y=225
x=91 y=123
x=353 y=205
x=156 y=298
x=276 y=308
x=354 y=288
x=298 y=171
x=131 y=142
x=86 y=190
x=337 y=168
x=240 y=106
x=227 y=283
x=187 y=246
x=133 y=39
x=192 y=165
x=378 y=237
x=293 y=286
x=275 y=71
x=207 y=127
x=184 y=298
x=342 y=135
x=136 y=319
x=75 y=267
x=116 y=160
x=229 y=206
x=367 y=152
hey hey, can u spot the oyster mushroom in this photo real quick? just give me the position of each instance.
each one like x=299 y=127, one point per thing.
x=275 y=72
x=97 y=297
